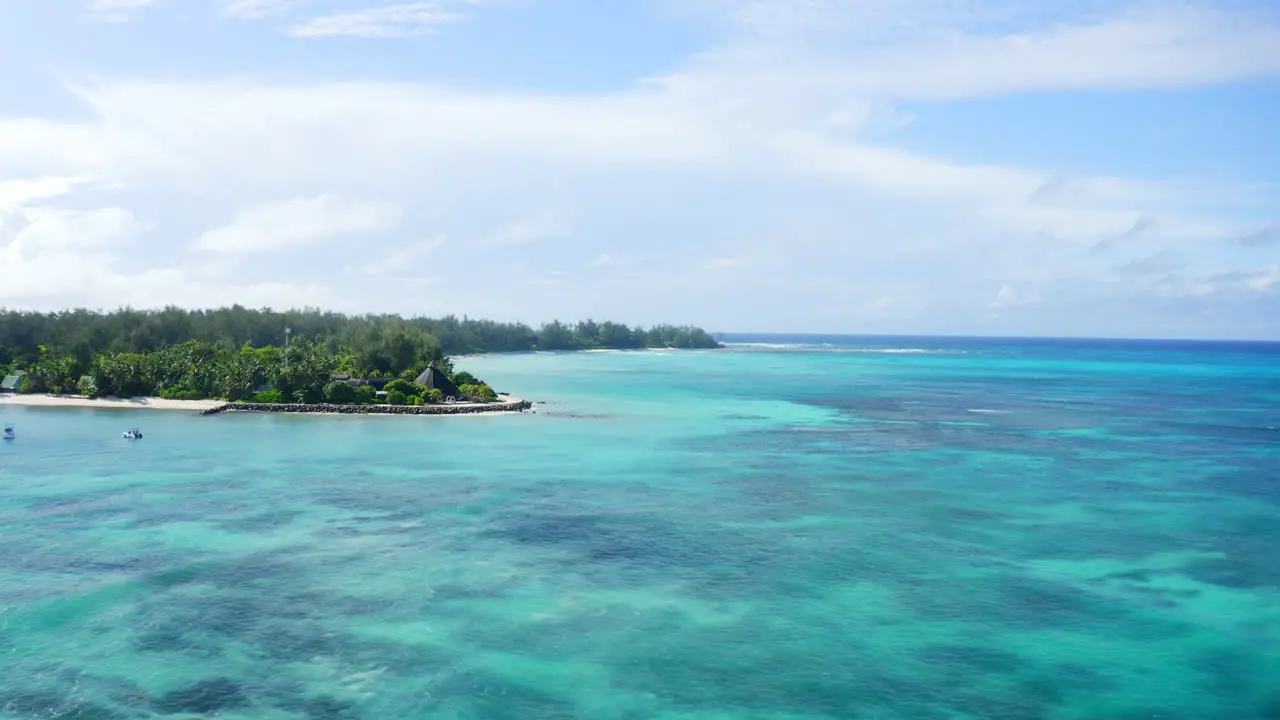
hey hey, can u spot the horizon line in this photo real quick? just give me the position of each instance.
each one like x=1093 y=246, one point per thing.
x=959 y=336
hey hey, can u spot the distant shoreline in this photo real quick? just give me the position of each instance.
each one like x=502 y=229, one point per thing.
x=582 y=351
x=506 y=403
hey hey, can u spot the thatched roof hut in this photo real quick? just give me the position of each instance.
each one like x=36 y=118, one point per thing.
x=434 y=377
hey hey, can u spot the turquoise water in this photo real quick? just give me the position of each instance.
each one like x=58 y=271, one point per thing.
x=868 y=528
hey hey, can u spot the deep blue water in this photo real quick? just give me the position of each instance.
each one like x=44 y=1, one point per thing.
x=793 y=527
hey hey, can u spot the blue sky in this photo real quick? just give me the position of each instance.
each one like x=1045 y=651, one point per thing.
x=882 y=166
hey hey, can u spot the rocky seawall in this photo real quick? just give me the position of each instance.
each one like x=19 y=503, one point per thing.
x=461 y=409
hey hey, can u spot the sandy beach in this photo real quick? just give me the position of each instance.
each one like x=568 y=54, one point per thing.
x=148 y=403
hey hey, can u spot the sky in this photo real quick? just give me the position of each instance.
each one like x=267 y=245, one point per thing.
x=972 y=167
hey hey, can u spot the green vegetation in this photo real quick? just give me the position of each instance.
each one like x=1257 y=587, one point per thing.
x=175 y=394
x=462 y=377
x=340 y=393
x=194 y=370
x=382 y=343
x=480 y=392
x=236 y=353
x=404 y=387
x=272 y=397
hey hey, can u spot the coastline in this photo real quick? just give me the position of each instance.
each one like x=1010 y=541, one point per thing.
x=575 y=351
x=507 y=403
x=110 y=403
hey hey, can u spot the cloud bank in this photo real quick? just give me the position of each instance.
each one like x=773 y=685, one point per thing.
x=757 y=186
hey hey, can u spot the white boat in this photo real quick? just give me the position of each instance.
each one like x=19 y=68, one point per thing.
x=132 y=434
x=8 y=432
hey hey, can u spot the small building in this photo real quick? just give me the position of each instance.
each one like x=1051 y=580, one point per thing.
x=434 y=377
x=376 y=382
x=11 y=383
x=354 y=382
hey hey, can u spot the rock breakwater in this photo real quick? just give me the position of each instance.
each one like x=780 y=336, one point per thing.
x=459 y=409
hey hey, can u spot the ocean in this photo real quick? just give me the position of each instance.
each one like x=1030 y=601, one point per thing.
x=792 y=528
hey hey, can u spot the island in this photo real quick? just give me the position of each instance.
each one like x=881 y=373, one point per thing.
x=237 y=358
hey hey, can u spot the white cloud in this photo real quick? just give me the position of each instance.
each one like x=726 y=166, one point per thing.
x=467 y=153
x=54 y=258
x=776 y=146
x=388 y=21
x=101 y=281
x=1006 y=296
x=1163 y=261
x=1176 y=48
x=921 y=49
x=725 y=262
x=149 y=130
x=257 y=9
x=44 y=229
x=408 y=260
x=28 y=190
x=1264 y=280
x=604 y=260
x=1249 y=282
x=1269 y=235
x=527 y=230
x=295 y=223
x=47 y=251
x=517 y=233
x=117 y=10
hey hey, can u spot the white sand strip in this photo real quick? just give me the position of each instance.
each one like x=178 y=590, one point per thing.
x=147 y=403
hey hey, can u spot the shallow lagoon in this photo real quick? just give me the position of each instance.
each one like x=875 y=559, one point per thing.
x=943 y=529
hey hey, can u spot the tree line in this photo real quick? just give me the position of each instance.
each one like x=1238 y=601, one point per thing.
x=238 y=353
x=85 y=332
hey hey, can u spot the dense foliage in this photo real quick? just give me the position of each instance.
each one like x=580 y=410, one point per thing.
x=386 y=343
x=193 y=370
x=233 y=353
x=340 y=393
x=479 y=392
